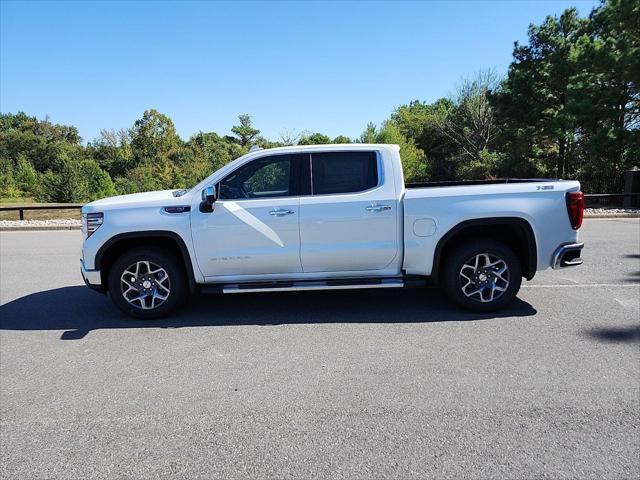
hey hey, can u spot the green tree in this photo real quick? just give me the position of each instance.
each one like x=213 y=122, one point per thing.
x=74 y=180
x=140 y=179
x=414 y=162
x=537 y=101
x=113 y=152
x=98 y=182
x=40 y=142
x=418 y=121
x=245 y=132
x=570 y=104
x=457 y=135
x=216 y=150
x=8 y=185
x=607 y=94
x=468 y=122
x=26 y=177
x=341 y=139
x=67 y=184
x=370 y=134
x=191 y=167
x=314 y=139
x=153 y=138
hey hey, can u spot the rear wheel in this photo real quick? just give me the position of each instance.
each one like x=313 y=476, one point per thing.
x=147 y=283
x=482 y=276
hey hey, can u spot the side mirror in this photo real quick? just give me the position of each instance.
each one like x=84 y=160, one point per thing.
x=209 y=197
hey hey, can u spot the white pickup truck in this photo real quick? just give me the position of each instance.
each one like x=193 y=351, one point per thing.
x=328 y=217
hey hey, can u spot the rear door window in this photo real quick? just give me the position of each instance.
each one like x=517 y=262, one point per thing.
x=343 y=172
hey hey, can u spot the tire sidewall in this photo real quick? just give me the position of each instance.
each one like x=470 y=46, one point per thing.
x=160 y=257
x=457 y=259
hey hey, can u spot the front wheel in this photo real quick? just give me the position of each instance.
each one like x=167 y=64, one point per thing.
x=482 y=276
x=147 y=283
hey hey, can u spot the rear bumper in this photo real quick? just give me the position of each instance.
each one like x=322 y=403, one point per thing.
x=92 y=278
x=567 y=256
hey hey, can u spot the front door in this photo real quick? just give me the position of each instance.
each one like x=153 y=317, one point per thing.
x=253 y=229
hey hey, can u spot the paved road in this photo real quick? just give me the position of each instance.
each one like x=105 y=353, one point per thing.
x=333 y=385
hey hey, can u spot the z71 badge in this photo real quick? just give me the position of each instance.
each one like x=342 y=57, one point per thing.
x=544 y=187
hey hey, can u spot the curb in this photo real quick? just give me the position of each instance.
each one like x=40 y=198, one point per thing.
x=612 y=215
x=39 y=228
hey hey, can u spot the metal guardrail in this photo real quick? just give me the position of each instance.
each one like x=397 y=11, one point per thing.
x=53 y=206
x=610 y=195
x=625 y=200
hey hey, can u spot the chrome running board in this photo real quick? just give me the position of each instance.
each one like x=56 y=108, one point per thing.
x=346 y=284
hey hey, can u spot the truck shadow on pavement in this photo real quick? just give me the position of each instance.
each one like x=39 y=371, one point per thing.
x=78 y=310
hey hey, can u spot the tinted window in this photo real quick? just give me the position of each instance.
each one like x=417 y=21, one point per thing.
x=262 y=178
x=343 y=172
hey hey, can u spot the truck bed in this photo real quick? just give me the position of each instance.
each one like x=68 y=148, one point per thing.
x=541 y=203
x=463 y=183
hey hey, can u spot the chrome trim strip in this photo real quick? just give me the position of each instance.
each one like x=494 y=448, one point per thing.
x=556 y=262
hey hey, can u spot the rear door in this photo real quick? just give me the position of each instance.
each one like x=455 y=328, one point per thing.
x=349 y=223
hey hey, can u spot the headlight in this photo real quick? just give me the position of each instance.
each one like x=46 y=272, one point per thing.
x=90 y=223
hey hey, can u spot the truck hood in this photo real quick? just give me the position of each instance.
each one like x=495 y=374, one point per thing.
x=159 y=198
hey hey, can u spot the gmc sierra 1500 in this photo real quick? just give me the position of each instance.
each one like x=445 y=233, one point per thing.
x=327 y=217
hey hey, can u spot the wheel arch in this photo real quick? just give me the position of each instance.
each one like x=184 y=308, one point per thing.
x=514 y=231
x=118 y=244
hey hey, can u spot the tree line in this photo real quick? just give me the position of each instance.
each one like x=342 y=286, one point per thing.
x=568 y=107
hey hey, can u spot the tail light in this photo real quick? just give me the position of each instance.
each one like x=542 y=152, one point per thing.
x=575 y=208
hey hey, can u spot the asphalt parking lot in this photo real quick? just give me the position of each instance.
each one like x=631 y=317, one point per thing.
x=361 y=384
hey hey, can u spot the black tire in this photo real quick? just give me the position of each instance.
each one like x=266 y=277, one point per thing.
x=177 y=283
x=454 y=283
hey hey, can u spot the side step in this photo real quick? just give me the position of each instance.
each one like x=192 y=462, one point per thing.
x=306 y=285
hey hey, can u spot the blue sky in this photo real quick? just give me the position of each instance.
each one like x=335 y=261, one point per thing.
x=329 y=67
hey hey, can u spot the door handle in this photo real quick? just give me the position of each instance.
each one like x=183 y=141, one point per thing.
x=280 y=213
x=377 y=208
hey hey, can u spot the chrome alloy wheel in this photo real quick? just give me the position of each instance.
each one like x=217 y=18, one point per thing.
x=145 y=285
x=484 y=277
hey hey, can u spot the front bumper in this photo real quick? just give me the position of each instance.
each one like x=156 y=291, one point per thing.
x=567 y=256
x=92 y=278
